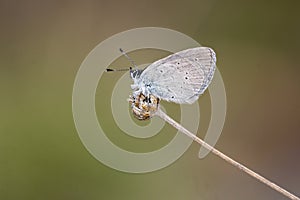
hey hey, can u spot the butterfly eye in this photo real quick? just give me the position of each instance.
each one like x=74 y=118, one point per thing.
x=196 y=59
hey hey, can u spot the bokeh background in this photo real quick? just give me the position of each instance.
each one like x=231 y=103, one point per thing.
x=42 y=46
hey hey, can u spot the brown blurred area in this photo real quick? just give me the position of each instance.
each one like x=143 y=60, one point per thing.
x=42 y=46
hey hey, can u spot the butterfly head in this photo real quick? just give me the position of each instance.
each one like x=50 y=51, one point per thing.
x=135 y=73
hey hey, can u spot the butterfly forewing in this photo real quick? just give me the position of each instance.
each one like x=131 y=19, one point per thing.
x=180 y=77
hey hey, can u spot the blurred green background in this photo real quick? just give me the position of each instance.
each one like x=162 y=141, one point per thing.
x=42 y=46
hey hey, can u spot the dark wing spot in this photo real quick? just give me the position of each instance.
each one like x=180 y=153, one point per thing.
x=186 y=78
x=148 y=85
x=161 y=71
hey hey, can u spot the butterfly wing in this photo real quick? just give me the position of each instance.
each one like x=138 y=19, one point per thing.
x=180 y=77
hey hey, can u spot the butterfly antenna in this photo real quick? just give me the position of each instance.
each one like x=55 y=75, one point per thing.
x=132 y=61
x=117 y=70
x=126 y=69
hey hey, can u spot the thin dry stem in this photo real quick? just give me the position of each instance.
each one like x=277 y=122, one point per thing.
x=243 y=168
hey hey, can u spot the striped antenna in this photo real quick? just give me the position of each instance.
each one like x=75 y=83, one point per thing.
x=130 y=60
x=117 y=70
x=126 y=69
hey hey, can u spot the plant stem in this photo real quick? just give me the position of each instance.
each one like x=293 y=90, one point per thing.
x=241 y=167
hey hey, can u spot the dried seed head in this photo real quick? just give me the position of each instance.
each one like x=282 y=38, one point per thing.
x=143 y=107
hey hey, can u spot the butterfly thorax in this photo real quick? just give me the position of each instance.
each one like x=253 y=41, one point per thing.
x=137 y=85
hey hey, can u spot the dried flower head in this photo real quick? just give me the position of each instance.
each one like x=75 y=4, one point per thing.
x=144 y=107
